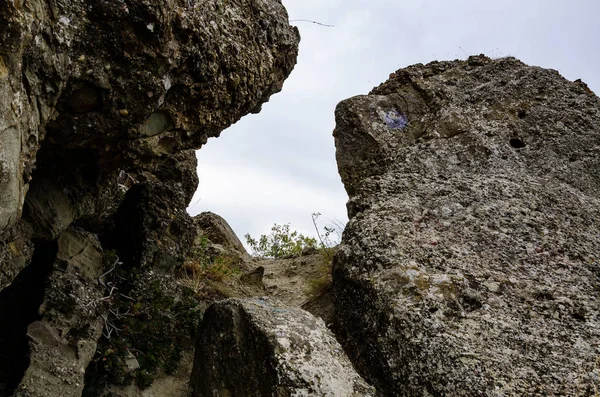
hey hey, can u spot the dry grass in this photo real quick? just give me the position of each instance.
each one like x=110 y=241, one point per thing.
x=197 y=274
x=322 y=282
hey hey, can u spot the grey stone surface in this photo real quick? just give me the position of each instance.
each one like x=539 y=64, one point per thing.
x=102 y=105
x=470 y=265
x=63 y=341
x=97 y=93
x=11 y=199
x=219 y=235
x=256 y=347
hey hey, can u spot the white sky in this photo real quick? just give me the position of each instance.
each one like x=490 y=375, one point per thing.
x=279 y=166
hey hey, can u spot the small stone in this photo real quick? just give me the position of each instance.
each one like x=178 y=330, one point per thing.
x=492 y=286
x=131 y=363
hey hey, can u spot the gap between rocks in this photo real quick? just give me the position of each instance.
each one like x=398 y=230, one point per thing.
x=19 y=307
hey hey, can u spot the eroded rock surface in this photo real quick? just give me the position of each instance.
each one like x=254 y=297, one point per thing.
x=216 y=232
x=470 y=265
x=63 y=340
x=255 y=347
x=114 y=89
x=102 y=104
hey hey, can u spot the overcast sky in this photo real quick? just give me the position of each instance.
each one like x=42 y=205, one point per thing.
x=279 y=166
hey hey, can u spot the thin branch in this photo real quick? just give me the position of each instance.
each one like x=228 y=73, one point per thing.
x=323 y=246
x=192 y=207
x=127 y=297
x=315 y=22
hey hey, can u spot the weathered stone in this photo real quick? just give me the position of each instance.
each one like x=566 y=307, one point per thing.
x=102 y=104
x=130 y=80
x=151 y=229
x=15 y=254
x=253 y=277
x=258 y=348
x=11 y=199
x=218 y=232
x=49 y=210
x=63 y=340
x=470 y=263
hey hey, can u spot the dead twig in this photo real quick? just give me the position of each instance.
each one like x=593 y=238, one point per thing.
x=311 y=21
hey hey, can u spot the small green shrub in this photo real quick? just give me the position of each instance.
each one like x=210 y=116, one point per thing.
x=150 y=316
x=197 y=271
x=323 y=277
x=280 y=243
x=204 y=266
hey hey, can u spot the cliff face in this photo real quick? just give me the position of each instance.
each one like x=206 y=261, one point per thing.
x=102 y=104
x=105 y=93
x=470 y=263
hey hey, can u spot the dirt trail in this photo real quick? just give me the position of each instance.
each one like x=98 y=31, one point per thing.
x=294 y=281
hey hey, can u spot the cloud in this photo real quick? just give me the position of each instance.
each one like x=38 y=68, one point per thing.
x=255 y=198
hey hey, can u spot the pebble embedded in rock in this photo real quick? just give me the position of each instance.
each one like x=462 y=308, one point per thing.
x=157 y=123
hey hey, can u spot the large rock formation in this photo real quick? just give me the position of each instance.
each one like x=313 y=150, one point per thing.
x=102 y=104
x=470 y=265
x=118 y=93
x=255 y=347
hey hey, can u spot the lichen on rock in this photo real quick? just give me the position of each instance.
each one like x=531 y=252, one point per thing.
x=469 y=265
x=258 y=347
x=102 y=104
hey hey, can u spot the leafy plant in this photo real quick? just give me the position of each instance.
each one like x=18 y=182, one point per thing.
x=149 y=316
x=280 y=243
x=203 y=267
x=218 y=269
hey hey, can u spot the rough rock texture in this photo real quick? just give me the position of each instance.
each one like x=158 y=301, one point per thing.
x=255 y=347
x=152 y=227
x=470 y=265
x=102 y=103
x=63 y=341
x=221 y=236
x=115 y=88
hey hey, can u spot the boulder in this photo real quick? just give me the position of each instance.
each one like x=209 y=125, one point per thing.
x=120 y=83
x=15 y=253
x=151 y=229
x=254 y=347
x=213 y=230
x=469 y=266
x=96 y=96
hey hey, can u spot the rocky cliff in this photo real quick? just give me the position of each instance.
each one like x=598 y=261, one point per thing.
x=102 y=104
x=470 y=265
